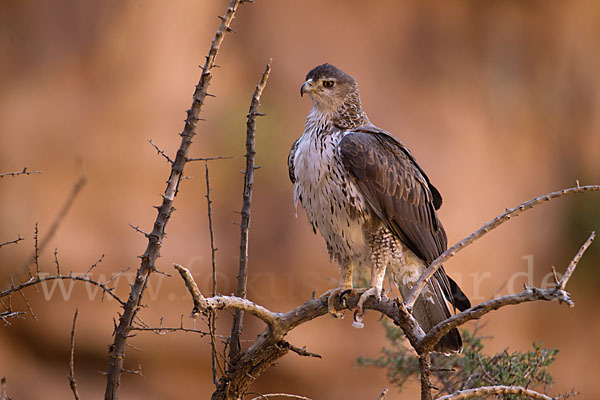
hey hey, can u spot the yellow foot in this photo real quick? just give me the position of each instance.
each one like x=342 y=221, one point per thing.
x=333 y=293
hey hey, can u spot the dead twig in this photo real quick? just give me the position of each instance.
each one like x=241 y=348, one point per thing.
x=23 y=172
x=242 y=278
x=212 y=316
x=161 y=151
x=17 y=240
x=209 y=158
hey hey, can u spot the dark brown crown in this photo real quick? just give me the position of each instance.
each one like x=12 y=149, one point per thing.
x=328 y=71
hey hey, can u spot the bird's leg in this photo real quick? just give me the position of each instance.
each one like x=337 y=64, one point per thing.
x=375 y=288
x=345 y=286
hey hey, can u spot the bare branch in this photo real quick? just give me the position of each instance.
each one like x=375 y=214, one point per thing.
x=23 y=172
x=213 y=249
x=161 y=151
x=163 y=330
x=285 y=395
x=200 y=304
x=212 y=316
x=563 y=282
x=242 y=278
x=300 y=351
x=17 y=240
x=138 y=230
x=42 y=277
x=72 y=382
x=498 y=389
x=493 y=224
x=529 y=294
x=209 y=158
x=155 y=239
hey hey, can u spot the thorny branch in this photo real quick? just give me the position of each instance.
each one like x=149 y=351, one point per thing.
x=242 y=278
x=493 y=224
x=212 y=317
x=155 y=238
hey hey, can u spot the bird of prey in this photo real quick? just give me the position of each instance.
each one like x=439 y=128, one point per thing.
x=362 y=189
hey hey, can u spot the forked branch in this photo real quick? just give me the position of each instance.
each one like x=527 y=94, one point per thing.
x=493 y=224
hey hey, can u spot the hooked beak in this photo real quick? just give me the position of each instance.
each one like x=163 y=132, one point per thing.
x=306 y=87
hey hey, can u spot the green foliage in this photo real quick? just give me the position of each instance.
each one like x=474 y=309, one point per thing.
x=470 y=369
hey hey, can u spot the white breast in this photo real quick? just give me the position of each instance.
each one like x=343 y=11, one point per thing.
x=332 y=203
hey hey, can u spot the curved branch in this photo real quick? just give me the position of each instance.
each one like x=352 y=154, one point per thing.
x=488 y=390
x=529 y=294
x=42 y=277
x=493 y=224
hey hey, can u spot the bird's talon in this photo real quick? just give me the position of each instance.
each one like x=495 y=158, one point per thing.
x=343 y=295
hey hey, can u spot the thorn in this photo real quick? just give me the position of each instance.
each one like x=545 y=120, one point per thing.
x=210 y=95
x=228 y=29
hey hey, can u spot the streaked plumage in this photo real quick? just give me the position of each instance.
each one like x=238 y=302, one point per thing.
x=364 y=192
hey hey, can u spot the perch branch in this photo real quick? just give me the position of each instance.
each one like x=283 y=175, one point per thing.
x=242 y=278
x=498 y=389
x=493 y=224
x=155 y=239
x=71 y=377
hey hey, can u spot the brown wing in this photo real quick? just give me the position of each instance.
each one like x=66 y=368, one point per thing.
x=396 y=189
x=400 y=194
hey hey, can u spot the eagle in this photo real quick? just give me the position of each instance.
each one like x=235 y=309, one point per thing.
x=364 y=192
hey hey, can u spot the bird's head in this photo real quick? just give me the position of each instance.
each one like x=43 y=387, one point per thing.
x=329 y=87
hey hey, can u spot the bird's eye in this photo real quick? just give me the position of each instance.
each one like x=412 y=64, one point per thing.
x=328 y=84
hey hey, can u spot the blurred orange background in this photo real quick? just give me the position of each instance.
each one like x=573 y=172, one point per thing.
x=498 y=100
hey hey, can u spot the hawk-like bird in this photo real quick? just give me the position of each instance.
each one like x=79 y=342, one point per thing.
x=364 y=192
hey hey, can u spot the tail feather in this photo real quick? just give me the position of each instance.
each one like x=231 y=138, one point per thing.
x=429 y=313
